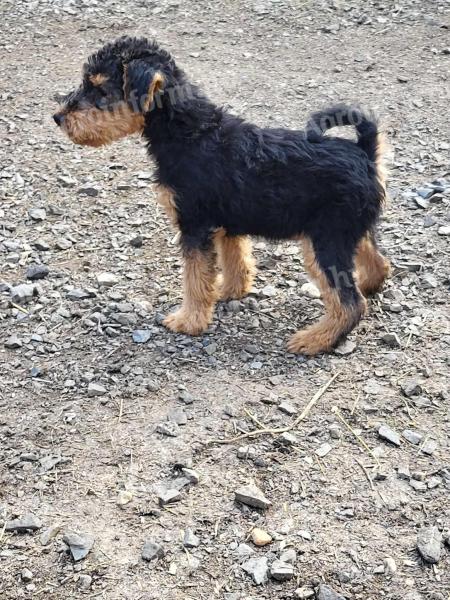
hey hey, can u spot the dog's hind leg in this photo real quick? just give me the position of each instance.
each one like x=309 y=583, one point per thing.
x=372 y=268
x=330 y=265
x=235 y=259
x=199 y=292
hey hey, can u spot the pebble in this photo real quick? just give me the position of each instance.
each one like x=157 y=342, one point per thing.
x=287 y=408
x=429 y=540
x=26 y=575
x=124 y=497
x=169 y=429
x=191 y=475
x=261 y=537
x=190 y=540
x=168 y=496
x=141 y=336
x=258 y=568
x=23 y=293
x=28 y=522
x=35 y=272
x=444 y=230
x=411 y=387
x=48 y=534
x=63 y=244
x=392 y=340
x=79 y=544
x=137 y=241
x=419 y=486
x=281 y=571
x=347 y=347
x=429 y=447
x=107 y=280
x=403 y=472
x=386 y=433
x=327 y=593
x=288 y=439
x=390 y=566
x=323 y=450
x=84 y=582
x=411 y=436
x=95 y=389
x=178 y=416
x=304 y=593
x=310 y=290
x=37 y=214
x=252 y=496
x=13 y=342
x=152 y=550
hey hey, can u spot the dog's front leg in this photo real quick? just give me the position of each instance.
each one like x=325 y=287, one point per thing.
x=199 y=291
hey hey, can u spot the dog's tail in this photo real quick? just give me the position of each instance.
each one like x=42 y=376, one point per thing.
x=370 y=139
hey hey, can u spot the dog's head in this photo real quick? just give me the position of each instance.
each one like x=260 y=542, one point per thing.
x=121 y=83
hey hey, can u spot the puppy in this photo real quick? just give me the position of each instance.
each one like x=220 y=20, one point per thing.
x=221 y=180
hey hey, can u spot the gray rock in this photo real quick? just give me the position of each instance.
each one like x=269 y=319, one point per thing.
x=347 y=347
x=13 y=342
x=141 y=336
x=79 y=544
x=169 y=429
x=419 y=486
x=178 y=416
x=327 y=593
x=392 y=340
x=386 y=433
x=48 y=534
x=137 y=241
x=79 y=294
x=429 y=447
x=288 y=439
x=63 y=244
x=190 y=540
x=23 y=293
x=37 y=214
x=323 y=450
x=95 y=389
x=411 y=387
x=444 y=230
x=26 y=575
x=289 y=555
x=28 y=522
x=152 y=550
x=304 y=593
x=35 y=272
x=191 y=475
x=258 y=568
x=252 y=496
x=107 y=280
x=41 y=245
x=281 y=571
x=429 y=540
x=411 y=436
x=89 y=190
x=403 y=472
x=287 y=408
x=84 y=582
x=168 y=496
x=186 y=397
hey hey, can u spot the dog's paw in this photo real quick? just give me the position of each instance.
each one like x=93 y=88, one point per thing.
x=183 y=322
x=308 y=342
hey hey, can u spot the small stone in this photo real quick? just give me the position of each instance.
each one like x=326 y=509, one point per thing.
x=269 y=291
x=433 y=483
x=287 y=408
x=84 y=582
x=178 y=416
x=124 y=497
x=141 y=336
x=79 y=544
x=310 y=290
x=186 y=397
x=63 y=244
x=288 y=439
x=66 y=180
x=152 y=550
x=168 y=496
x=429 y=540
x=28 y=522
x=107 y=279
x=327 y=593
x=191 y=475
x=388 y=434
x=252 y=496
x=290 y=555
x=304 y=593
x=89 y=190
x=23 y=293
x=281 y=571
x=35 y=272
x=258 y=568
x=347 y=347
x=335 y=431
x=413 y=437
x=211 y=349
x=137 y=241
x=419 y=486
x=261 y=537
x=13 y=342
x=48 y=534
x=190 y=540
x=403 y=472
x=95 y=389
x=169 y=429
x=411 y=387
x=323 y=450
x=392 y=340
x=26 y=575
x=79 y=294
x=390 y=566
x=444 y=230
x=37 y=214
x=429 y=447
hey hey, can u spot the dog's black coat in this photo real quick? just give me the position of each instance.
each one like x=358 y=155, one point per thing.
x=226 y=173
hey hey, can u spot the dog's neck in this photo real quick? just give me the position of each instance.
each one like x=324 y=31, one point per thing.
x=182 y=113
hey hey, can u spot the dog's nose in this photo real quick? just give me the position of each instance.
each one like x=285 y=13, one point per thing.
x=58 y=118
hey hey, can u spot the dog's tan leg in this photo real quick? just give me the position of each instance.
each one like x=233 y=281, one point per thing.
x=371 y=267
x=199 y=293
x=343 y=310
x=237 y=264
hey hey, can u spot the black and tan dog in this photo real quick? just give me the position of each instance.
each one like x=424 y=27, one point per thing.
x=221 y=180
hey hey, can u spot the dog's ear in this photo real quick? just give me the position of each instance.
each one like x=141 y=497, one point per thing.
x=141 y=82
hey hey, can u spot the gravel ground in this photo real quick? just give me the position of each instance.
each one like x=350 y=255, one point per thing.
x=111 y=428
